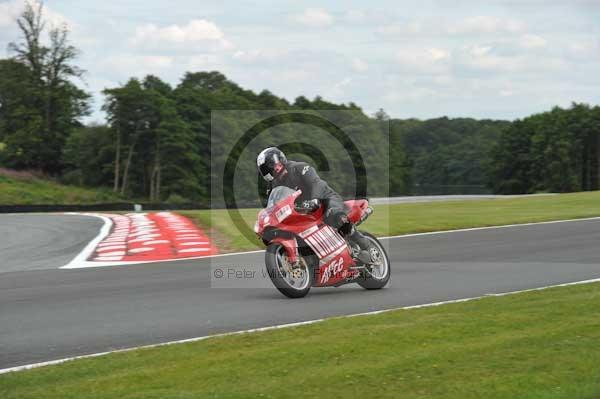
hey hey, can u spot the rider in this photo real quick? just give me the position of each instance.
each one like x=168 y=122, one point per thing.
x=274 y=167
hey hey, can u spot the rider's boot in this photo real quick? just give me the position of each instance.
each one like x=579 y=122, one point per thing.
x=363 y=242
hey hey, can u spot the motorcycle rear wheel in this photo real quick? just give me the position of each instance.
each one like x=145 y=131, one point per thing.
x=294 y=284
x=379 y=277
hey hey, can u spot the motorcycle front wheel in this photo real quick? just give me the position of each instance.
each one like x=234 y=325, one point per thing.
x=293 y=281
x=378 y=274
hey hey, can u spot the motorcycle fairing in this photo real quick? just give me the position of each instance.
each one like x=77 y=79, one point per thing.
x=333 y=252
x=324 y=240
x=335 y=269
x=291 y=247
x=335 y=258
x=358 y=209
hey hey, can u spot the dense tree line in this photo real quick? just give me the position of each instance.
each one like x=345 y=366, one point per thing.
x=166 y=143
x=447 y=156
x=555 y=151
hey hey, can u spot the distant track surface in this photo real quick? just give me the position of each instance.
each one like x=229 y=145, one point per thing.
x=51 y=314
x=37 y=241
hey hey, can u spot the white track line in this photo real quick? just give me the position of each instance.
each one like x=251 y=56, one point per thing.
x=502 y=226
x=289 y=325
x=89 y=249
x=81 y=261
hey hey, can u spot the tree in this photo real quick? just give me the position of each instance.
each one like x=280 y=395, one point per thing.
x=381 y=115
x=446 y=156
x=161 y=153
x=129 y=113
x=53 y=105
x=555 y=151
x=176 y=160
x=16 y=97
x=88 y=156
x=30 y=50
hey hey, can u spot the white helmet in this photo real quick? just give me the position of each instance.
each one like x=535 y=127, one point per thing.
x=267 y=162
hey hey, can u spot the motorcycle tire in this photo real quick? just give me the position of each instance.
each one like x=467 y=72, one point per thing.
x=369 y=281
x=274 y=256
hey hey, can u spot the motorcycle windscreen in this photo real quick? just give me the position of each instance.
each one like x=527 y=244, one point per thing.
x=278 y=194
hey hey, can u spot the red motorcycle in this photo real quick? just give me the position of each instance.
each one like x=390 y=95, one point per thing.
x=303 y=251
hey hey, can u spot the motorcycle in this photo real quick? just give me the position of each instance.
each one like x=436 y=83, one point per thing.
x=303 y=251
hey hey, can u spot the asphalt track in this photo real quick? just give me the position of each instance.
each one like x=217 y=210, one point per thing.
x=37 y=241
x=51 y=314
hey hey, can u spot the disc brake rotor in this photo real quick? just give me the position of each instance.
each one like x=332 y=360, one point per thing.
x=297 y=273
x=294 y=272
x=375 y=255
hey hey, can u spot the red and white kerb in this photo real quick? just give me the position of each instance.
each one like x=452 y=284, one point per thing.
x=158 y=236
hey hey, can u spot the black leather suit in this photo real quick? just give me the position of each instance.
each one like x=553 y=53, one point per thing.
x=302 y=176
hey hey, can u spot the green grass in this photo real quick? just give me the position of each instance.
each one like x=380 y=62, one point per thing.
x=542 y=344
x=223 y=231
x=422 y=217
x=32 y=190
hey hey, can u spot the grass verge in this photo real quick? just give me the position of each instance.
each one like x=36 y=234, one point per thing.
x=541 y=344
x=24 y=189
x=422 y=217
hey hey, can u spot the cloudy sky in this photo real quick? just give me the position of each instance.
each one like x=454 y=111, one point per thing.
x=428 y=58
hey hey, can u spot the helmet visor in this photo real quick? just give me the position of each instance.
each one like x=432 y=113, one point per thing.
x=266 y=171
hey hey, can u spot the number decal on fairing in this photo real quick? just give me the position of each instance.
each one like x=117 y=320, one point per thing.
x=335 y=267
x=283 y=213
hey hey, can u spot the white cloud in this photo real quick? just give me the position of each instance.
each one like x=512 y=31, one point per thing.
x=343 y=82
x=158 y=61
x=200 y=62
x=485 y=59
x=409 y=94
x=127 y=65
x=443 y=80
x=470 y=26
x=484 y=24
x=359 y=65
x=196 y=34
x=368 y=16
x=427 y=60
x=409 y=28
x=260 y=57
x=437 y=55
x=314 y=18
x=356 y=16
x=479 y=51
x=11 y=10
x=337 y=91
x=249 y=56
x=585 y=50
x=532 y=41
